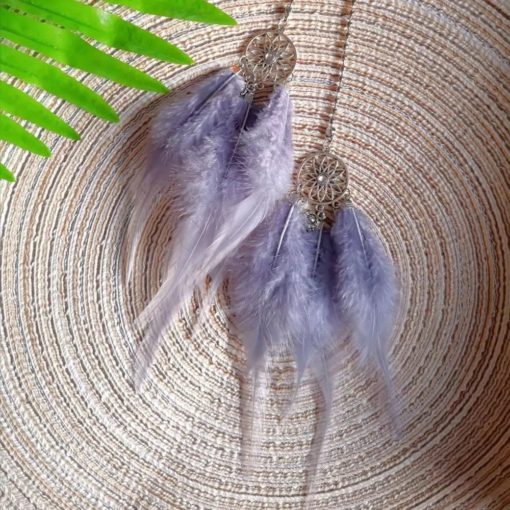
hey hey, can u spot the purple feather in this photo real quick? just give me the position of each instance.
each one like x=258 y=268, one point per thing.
x=226 y=185
x=366 y=289
x=183 y=123
x=270 y=288
x=281 y=301
x=321 y=356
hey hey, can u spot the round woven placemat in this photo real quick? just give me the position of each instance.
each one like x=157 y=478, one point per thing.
x=423 y=125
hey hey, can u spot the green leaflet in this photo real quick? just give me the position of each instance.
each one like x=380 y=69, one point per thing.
x=53 y=28
x=12 y=132
x=68 y=48
x=5 y=174
x=194 y=10
x=21 y=105
x=55 y=81
x=103 y=27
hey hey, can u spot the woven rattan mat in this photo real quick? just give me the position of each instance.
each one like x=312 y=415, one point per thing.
x=423 y=124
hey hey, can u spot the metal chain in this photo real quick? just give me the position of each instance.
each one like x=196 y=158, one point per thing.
x=282 y=24
x=330 y=129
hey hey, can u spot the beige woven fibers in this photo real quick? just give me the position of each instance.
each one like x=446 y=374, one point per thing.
x=423 y=125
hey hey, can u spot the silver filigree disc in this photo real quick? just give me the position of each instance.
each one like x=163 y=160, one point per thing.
x=323 y=182
x=270 y=58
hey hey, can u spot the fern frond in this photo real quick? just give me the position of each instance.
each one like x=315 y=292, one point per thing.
x=193 y=10
x=5 y=174
x=55 y=81
x=54 y=29
x=68 y=48
x=102 y=26
x=21 y=105
x=13 y=133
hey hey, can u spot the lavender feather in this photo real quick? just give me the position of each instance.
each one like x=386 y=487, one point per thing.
x=366 y=289
x=247 y=170
x=306 y=292
x=270 y=289
x=279 y=300
x=321 y=354
x=270 y=293
x=184 y=122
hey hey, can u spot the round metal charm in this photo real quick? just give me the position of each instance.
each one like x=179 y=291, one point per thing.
x=269 y=58
x=323 y=185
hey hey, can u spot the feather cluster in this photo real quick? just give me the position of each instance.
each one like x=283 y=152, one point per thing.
x=223 y=163
x=308 y=291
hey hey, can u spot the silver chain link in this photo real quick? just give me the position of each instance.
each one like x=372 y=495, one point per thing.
x=330 y=129
x=282 y=25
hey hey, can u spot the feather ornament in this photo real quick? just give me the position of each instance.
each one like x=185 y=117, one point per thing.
x=181 y=125
x=222 y=188
x=308 y=292
x=281 y=285
x=366 y=291
x=270 y=286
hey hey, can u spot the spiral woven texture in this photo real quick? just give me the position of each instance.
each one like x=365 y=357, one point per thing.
x=423 y=126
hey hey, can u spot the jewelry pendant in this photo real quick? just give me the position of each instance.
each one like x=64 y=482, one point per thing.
x=222 y=164
x=323 y=187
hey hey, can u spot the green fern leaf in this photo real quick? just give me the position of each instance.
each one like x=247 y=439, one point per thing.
x=6 y=175
x=102 y=26
x=68 y=48
x=193 y=10
x=53 y=28
x=12 y=132
x=55 y=81
x=21 y=105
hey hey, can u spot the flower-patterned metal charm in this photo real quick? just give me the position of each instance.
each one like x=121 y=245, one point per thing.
x=322 y=184
x=270 y=58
